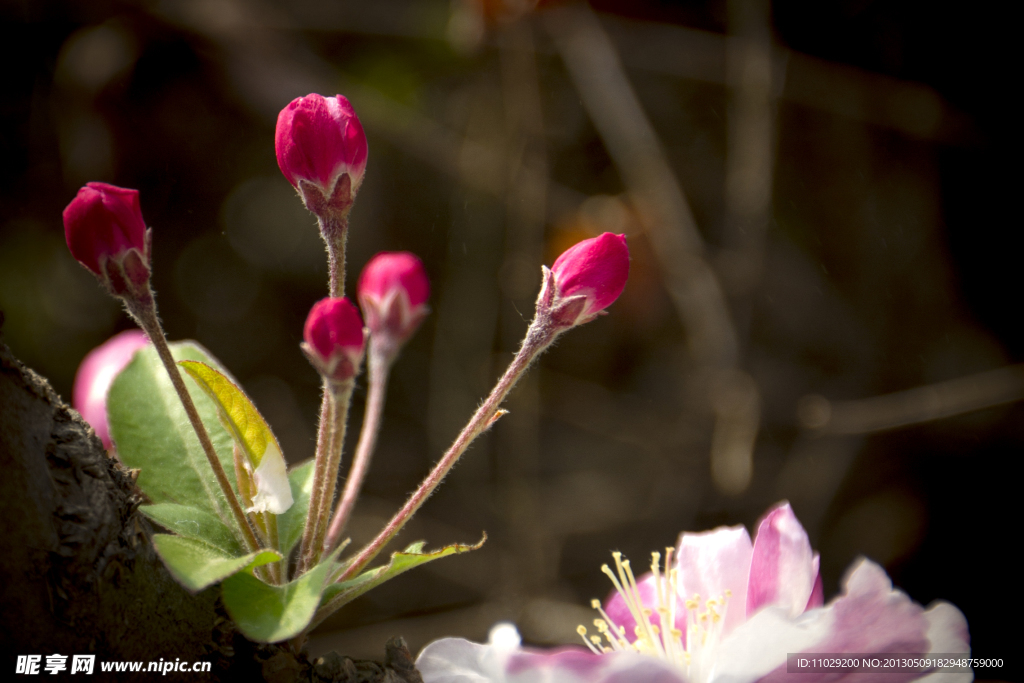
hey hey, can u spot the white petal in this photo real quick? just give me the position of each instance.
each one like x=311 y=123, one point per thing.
x=947 y=633
x=760 y=645
x=456 y=660
x=712 y=562
x=273 y=492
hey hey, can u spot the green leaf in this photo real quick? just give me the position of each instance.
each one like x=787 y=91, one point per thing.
x=153 y=434
x=250 y=431
x=194 y=523
x=291 y=524
x=338 y=594
x=269 y=614
x=197 y=564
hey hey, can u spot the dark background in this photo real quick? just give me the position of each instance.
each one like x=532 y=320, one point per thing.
x=890 y=261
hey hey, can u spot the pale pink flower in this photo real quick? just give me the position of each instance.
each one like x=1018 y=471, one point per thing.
x=97 y=372
x=727 y=610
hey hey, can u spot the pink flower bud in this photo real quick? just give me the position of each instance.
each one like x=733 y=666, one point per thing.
x=320 y=143
x=104 y=229
x=586 y=279
x=334 y=339
x=95 y=375
x=393 y=290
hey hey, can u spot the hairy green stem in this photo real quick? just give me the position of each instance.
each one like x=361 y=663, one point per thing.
x=144 y=312
x=379 y=369
x=540 y=335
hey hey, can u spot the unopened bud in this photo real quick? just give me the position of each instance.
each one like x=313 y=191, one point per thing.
x=586 y=279
x=97 y=372
x=105 y=231
x=321 y=149
x=393 y=290
x=334 y=339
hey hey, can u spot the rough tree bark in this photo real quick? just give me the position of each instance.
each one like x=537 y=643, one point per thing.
x=80 y=576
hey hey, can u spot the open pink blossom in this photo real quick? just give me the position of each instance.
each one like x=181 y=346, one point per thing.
x=393 y=290
x=725 y=609
x=97 y=372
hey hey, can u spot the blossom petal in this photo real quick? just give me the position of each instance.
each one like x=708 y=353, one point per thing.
x=782 y=567
x=759 y=646
x=947 y=633
x=817 y=598
x=457 y=660
x=870 y=617
x=712 y=562
x=576 y=665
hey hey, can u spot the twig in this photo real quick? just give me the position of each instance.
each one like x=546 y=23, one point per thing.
x=912 y=406
x=630 y=138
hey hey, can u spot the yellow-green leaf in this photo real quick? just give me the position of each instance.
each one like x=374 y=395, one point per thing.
x=338 y=594
x=251 y=432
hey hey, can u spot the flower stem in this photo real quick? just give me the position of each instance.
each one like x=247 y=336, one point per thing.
x=342 y=399
x=379 y=369
x=277 y=569
x=323 y=444
x=144 y=312
x=335 y=233
x=538 y=337
x=325 y=473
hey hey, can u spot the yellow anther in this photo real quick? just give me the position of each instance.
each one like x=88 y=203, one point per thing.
x=600 y=623
x=596 y=640
x=581 y=629
x=595 y=604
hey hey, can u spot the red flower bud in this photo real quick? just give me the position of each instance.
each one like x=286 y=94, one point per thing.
x=104 y=229
x=320 y=143
x=95 y=375
x=334 y=339
x=587 y=279
x=393 y=290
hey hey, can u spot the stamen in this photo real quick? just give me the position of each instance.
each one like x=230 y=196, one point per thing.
x=582 y=630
